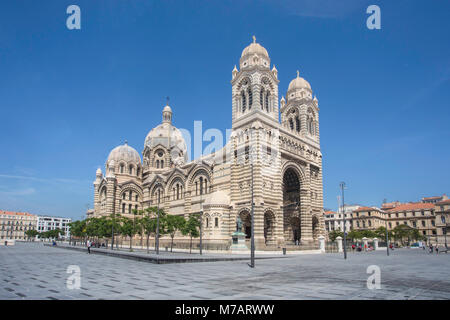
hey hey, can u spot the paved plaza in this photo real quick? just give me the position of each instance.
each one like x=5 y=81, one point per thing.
x=33 y=271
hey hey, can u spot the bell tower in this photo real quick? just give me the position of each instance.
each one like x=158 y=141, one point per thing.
x=254 y=88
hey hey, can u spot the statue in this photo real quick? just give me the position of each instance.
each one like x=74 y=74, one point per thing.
x=239 y=224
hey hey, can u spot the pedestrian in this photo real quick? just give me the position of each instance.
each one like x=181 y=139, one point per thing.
x=437 y=249
x=431 y=248
x=89 y=246
x=353 y=247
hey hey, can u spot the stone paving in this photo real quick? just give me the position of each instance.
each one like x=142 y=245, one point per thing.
x=32 y=271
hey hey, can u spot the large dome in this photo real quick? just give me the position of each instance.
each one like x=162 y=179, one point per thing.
x=124 y=153
x=299 y=83
x=169 y=137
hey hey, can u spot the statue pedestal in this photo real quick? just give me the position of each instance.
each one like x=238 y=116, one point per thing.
x=238 y=243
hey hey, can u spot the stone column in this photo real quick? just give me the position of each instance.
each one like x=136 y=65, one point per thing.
x=339 y=243
x=375 y=243
x=321 y=243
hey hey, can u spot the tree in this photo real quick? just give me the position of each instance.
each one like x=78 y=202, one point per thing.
x=401 y=232
x=354 y=235
x=31 y=233
x=148 y=223
x=334 y=234
x=153 y=211
x=128 y=228
x=191 y=228
x=173 y=224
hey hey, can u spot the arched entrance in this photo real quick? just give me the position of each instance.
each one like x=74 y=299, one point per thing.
x=296 y=229
x=246 y=223
x=291 y=205
x=269 y=228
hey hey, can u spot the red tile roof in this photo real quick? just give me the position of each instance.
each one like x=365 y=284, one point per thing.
x=16 y=213
x=443 y=202
x=431 y=198
x=365 y=209
x=412 y=206
x=329 y=212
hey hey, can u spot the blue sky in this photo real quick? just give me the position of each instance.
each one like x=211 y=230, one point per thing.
x=67 y=97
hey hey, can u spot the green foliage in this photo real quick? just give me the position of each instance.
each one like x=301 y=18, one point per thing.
x=174 y=223
x=191 y=228
x=334 y=234
x=31 y=233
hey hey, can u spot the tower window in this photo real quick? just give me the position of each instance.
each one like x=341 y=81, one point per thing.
x=291 y=124
x=261 y=95
x=250 y=99
x=267 y=101
x=297 y=124
x=244 y=101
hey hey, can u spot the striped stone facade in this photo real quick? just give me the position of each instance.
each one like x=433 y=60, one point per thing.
x=280 y=161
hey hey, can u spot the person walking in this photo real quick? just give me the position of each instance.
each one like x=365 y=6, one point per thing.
x=437 y=248
x=89 y=246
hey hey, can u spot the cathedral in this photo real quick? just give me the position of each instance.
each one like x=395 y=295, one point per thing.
x=272 y=156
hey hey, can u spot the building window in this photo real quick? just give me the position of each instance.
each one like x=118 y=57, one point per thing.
x=216 y=222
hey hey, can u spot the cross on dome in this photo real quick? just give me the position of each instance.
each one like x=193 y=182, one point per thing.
x=254 y=39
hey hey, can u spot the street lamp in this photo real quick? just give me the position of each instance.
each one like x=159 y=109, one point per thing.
x=201 y=216
x=252 y=241
x=386 y=227
x=342 y=185
x=112 y=231
x=157 y=223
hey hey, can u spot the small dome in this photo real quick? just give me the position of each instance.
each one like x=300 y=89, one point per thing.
x=98 y=172
x=255 y=48
x=254 y=55
x=217 y=198
x=299 y=83
x=124 y=153
x=167 y=109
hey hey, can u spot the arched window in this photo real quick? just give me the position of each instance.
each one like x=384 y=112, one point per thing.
x=201 y=185
x=178 y=191
x=244 y=101
x=267 y=101
x=261 y=98
x=131 y=195
x=123 y=208
x=207 y=222
x=137 y=198
x=123 y=196
x=157 y=164
x=122 y=168
x=130 y=169
x=162 y=163
x=138 y=171
x=250 y=98
x=297 y=124
x=291 y=124
x=216 y=222
x=196 y=188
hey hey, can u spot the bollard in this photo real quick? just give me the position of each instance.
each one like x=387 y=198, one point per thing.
x=321 y=243
x=339 y=243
